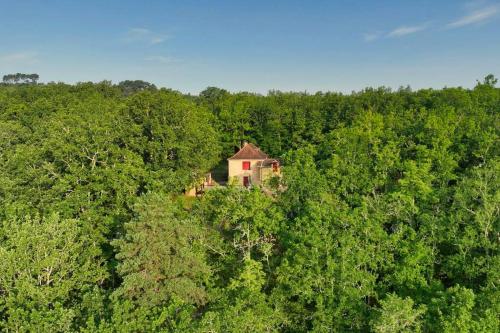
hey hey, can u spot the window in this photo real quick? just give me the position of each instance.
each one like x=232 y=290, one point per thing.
x=246 y=165
x=246 y=181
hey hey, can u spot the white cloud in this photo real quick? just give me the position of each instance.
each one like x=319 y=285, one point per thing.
x=161 y=59
x=475 y=17
x=145 y=35
x=157 y=40
x=20 y=58
x=398 y=32
x=406 y=30
x=371 y=36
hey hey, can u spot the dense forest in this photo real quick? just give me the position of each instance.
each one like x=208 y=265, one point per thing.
x=386 y=218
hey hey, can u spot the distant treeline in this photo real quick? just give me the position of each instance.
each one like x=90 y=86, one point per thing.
x=127 y=86
x=386 y=218
x=20 y=78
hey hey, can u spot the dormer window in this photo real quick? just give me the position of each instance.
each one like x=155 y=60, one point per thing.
x=246 y=165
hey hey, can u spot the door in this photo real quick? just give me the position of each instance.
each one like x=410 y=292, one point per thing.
x=246 y=181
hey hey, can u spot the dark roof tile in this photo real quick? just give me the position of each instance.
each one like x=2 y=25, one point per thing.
x=249 y=152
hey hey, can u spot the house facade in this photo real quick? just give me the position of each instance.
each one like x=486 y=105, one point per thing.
x=251 y=166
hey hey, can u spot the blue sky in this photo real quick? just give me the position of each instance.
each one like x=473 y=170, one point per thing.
x=342 y=45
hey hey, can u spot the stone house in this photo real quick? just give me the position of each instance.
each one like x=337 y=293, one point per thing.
x=251 y=166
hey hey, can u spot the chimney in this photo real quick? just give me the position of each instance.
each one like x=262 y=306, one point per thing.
x=244 y=143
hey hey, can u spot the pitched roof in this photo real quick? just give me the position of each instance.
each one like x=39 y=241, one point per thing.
x=268 y=162
x=249 y=152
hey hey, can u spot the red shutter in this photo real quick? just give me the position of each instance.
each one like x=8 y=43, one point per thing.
x=246 y=165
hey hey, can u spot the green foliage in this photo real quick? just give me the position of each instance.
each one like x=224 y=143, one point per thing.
x=20 y=78
x=128 y=317
x=85 y=152
x=248 y=219
x=47 y=268
x=129 y=87
x=398 y=315
x=243 y=307
x=385 y=219
x=161 y=256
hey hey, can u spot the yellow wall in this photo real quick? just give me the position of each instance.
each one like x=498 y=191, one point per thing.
x=236 y=172
x=266 y=173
